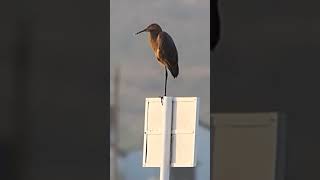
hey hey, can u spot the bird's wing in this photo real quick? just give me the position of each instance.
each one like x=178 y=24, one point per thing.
x=167 y=50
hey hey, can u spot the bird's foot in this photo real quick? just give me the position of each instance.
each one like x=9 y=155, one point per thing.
x=161 y=97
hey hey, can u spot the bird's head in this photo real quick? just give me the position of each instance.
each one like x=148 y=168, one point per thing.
x=152 y=28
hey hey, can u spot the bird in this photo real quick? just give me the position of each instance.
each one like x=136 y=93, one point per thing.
x=164 y=50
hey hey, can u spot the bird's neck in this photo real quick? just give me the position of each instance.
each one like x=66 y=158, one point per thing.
x=153 y=40
x=153 y=35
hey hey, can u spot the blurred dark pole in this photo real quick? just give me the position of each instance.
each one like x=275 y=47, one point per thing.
x=21 y=122
x=54 y=56
x=214 y=24
x=214 y=39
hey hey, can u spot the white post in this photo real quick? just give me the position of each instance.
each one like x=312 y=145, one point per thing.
x=166 y=139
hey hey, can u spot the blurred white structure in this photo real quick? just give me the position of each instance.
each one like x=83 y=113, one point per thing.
x=249 y=146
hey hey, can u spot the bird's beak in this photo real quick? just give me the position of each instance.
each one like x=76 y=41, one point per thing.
x=141 y=31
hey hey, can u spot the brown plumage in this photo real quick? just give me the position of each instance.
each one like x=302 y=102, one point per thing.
x=164 y=50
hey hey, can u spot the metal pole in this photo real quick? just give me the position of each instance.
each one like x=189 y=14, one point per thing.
x=166 y=138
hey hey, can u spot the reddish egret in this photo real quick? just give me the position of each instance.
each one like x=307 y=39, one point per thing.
x=164 y=49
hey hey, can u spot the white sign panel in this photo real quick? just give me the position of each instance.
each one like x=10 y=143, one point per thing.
x=185 y=117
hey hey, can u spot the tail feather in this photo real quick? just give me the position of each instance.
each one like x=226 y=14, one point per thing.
x=174 y=70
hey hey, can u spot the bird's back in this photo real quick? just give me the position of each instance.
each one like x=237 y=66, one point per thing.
x=167 y=53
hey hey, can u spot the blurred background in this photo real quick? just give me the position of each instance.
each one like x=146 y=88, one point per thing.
x=135 y=75
x=268 y=61
x=53 y=107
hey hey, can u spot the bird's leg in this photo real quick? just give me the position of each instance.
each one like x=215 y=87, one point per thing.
x=165 y=84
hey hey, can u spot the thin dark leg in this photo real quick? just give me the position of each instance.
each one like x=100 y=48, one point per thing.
x=165 y=84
